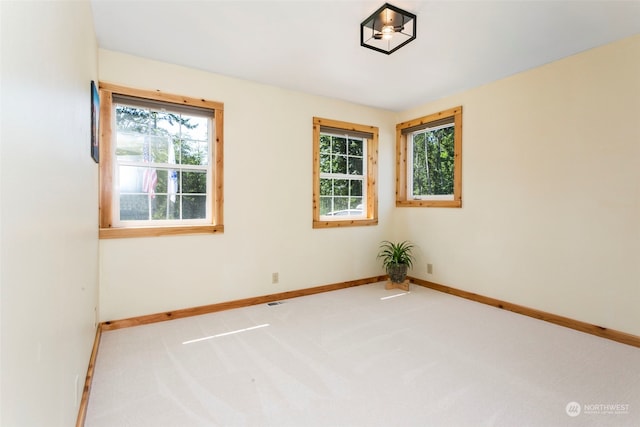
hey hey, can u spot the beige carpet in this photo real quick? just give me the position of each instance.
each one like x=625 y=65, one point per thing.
x=363 y=356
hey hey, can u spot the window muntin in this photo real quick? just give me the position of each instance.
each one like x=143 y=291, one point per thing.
x=343 y=172
x=429 y=160
x=345 y=157
x=149 y=170
x=161 y=165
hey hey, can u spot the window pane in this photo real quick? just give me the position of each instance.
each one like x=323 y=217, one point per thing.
x=159 y=208
x=132 y=119
x=339 y=164
x=194 y=182
x=340 y=187
x=355 y=166
x=325 y=144
x=130 y=179
x=326 y=188
x=171 y=207
x=129 y=146
x=161 y=178
x=355 y=203
x=325 y=205
x=195 y=128
x=339 y=145
x=355 y=147
x=325 y=163
x=355 y=187
x=165 y=123
x=433 y=161
x=194 y=207
x=193 y=153
x=341 y=204
x=134 y=207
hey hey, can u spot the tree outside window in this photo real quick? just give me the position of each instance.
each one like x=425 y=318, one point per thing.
x=342 y=174
x=432 y=151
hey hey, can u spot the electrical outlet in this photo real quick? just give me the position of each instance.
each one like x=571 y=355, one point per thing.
x=275 y=278
x=429 y=268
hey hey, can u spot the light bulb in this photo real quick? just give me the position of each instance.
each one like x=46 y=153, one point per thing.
x=387 y=32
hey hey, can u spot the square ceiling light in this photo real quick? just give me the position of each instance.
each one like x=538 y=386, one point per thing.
x=388 y=29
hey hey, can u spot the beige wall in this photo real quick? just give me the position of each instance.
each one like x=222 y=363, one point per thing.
x=267 y=207
x=551 y=193
x=49 y=244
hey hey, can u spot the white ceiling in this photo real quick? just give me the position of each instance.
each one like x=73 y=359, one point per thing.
x=314 y=46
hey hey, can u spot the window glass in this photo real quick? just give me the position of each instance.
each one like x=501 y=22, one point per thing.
x=159 y=160
x=343 y=173
x=433 y=155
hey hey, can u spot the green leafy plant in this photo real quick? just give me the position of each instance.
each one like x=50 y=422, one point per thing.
x=393 y=254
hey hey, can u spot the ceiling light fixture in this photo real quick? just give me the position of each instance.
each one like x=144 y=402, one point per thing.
x=388 y=29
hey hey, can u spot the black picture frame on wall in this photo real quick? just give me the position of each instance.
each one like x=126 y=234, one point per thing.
x=95 y=122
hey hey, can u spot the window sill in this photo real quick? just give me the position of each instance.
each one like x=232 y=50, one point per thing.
x=345 y=223
x=429 y=203
x=122 y=233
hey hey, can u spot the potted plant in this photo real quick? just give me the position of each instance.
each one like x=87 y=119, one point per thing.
x=396 y=259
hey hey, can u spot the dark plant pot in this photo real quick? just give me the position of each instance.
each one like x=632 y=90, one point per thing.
x=397 y=272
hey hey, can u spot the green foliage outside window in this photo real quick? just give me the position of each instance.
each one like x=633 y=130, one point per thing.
x=433 y=162
x=340 y=158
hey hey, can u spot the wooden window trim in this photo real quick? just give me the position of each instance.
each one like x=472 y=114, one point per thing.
x=402 y=199
x=107 y=231
x=372 y=174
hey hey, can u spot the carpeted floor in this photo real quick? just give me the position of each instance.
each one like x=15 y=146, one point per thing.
x=363 y=356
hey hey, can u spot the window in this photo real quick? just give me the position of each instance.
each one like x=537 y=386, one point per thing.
x=161 y=164
x=345 y=159
x=429 y=160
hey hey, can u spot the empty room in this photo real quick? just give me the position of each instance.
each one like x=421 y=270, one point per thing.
x=319 y=213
